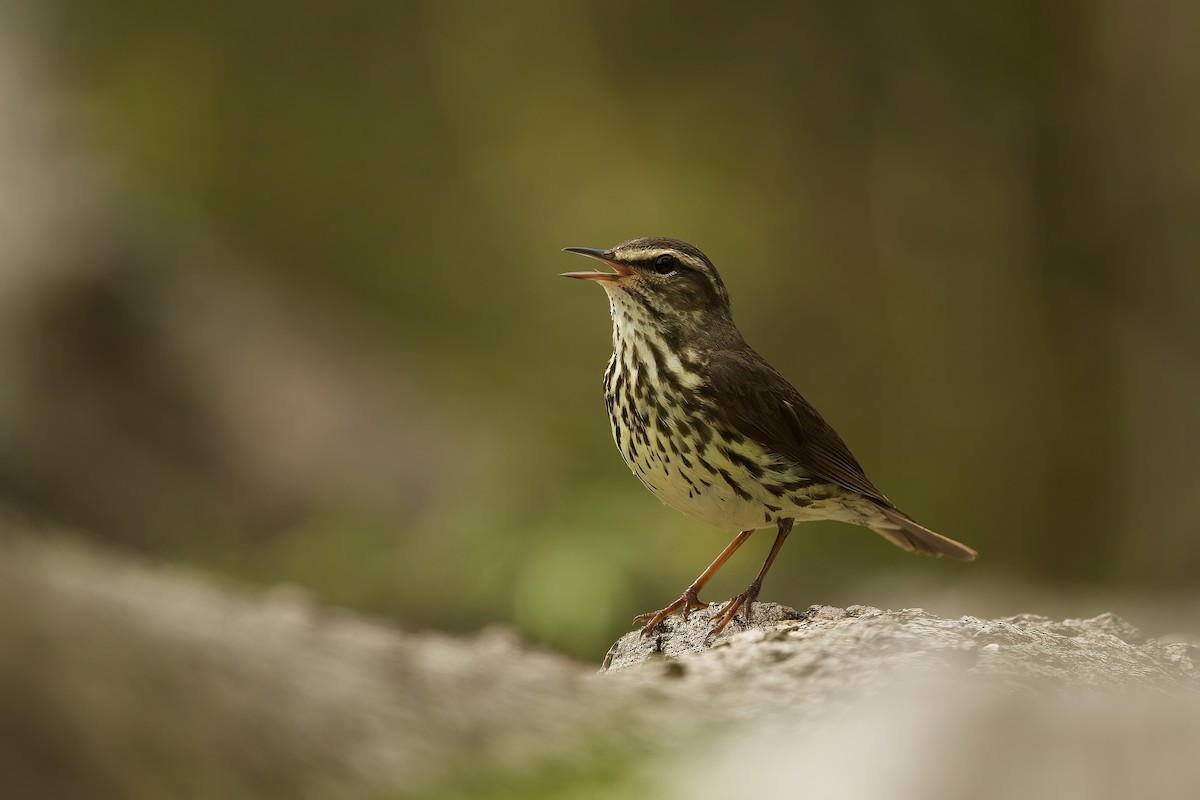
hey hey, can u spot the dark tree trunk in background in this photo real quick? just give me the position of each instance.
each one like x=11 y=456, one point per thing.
x=1077 y=261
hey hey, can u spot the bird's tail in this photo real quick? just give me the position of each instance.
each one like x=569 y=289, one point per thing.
x=903 y=532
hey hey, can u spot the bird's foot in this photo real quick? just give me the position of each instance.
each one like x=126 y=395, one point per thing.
x=727 y=612
x=687 y=603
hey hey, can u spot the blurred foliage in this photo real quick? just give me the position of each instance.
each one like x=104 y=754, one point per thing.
x=967 y=232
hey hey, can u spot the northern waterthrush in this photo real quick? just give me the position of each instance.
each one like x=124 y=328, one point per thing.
x=715 y=431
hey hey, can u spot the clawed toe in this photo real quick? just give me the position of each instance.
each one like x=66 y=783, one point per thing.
x=727 y=612
x=687 y=603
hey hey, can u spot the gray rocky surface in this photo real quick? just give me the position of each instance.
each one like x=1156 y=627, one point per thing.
x=865 y=703
x=125 y=679
x=831 y=648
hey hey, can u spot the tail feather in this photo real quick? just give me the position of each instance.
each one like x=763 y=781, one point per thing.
x=903 y=532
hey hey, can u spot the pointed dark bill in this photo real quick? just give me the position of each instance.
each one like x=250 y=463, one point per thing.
x=599 y=255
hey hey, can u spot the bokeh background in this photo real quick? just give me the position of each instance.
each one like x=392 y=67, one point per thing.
x=278 y=292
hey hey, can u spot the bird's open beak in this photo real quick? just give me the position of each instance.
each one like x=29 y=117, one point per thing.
x=599 y=255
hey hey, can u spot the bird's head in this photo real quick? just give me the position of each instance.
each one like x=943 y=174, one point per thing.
x=672 y=280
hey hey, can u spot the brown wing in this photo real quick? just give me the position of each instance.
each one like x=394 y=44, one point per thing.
x=763 y=406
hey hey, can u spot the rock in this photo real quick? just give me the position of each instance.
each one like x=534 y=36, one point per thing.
x=120 y=678
x=862 y=703
x=676 y=636
x=785 y=657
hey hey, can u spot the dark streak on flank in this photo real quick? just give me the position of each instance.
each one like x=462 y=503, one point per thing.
x=742 y=461
x=738 y=490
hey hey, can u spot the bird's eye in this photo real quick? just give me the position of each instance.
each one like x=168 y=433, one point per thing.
x=664 y=264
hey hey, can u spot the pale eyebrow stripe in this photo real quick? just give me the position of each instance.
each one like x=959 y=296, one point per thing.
x=694 y=263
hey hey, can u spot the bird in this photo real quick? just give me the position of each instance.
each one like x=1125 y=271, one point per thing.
x=713 y=430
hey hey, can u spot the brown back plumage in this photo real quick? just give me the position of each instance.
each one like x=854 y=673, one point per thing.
x=765 y=407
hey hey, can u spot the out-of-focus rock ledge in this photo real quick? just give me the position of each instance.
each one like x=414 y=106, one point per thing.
x=120 y=678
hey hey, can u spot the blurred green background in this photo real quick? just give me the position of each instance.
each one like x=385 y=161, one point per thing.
x=281 y=295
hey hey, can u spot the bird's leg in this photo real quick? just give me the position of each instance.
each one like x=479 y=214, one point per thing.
x=689 y=600
x=747 y=598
